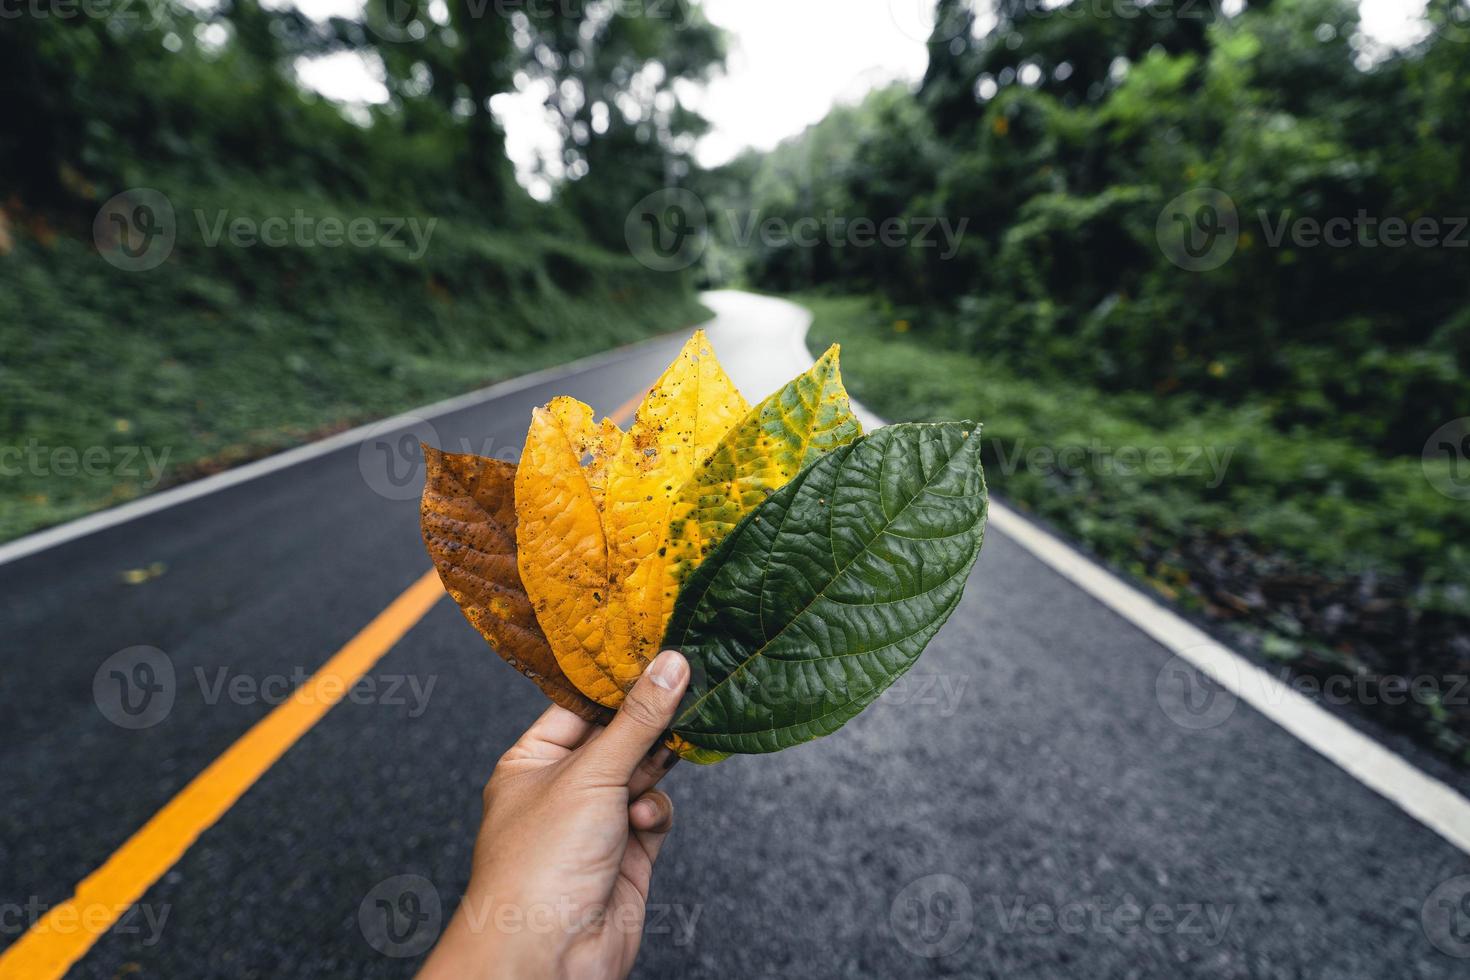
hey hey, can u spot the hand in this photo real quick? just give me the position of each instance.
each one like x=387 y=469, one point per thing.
x=565 y=853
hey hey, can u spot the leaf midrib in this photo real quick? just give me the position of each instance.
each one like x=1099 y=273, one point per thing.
x=836 y=708
x=888 y=522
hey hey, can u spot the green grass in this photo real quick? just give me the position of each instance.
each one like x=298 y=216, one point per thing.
x=226 y=353
x=1306 y=549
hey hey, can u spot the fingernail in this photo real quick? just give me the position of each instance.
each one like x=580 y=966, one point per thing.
x=647 y=810
x=670 y=757
x=668 y=669
x=658 y=757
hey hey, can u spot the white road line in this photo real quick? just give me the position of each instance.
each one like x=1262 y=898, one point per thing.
x=151 y=504
x=1428 y=800
x=1421 y=796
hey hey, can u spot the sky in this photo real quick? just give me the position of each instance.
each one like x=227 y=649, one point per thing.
x=790 y=61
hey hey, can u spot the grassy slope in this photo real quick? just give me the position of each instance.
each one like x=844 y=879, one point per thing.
x=1307 y=550
x=224 y=353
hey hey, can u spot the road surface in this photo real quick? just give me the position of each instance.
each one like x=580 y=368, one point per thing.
x=1040 y=797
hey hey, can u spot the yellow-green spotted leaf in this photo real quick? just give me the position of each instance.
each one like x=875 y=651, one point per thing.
x=681 y=420
x=827 y=592
x=807 y=418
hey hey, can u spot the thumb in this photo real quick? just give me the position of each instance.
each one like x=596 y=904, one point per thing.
x=642 y=720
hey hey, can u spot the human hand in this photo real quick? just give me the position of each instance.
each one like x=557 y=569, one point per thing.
x=565 y=852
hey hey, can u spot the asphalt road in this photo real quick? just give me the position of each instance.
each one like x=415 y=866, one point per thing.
x=1029 y=802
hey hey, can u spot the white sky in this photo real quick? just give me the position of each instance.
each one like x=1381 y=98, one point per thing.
x=790 y=62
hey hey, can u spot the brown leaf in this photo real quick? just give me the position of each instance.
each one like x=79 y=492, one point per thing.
x=469 y=524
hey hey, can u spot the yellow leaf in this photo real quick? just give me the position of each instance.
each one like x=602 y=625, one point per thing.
x=686 y=749
x=561 y=549
x=137 y=576
x=593 y=507
x=809 y=416
x=469 y=524
x=683 y=417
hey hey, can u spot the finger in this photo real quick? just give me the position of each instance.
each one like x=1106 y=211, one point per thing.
x=557 y=728
x=651 y=818
x=641 y=721
x=653 y=813
x=654 y=767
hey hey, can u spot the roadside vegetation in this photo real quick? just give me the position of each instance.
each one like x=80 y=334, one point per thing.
x=253 y=319
x=1251 y=429
x=224 y=354
x=1308 y=550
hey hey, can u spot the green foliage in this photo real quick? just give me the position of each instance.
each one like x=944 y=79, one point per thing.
x=208 y=93
x=224 y=353
x=858 y=562
x=1212 y=506
x=1061 y=136
x=1333 y=504
x=229 y=350
x=1243 y=436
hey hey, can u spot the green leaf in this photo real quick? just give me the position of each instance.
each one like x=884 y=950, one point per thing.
x=806 y=418
x=826 y=593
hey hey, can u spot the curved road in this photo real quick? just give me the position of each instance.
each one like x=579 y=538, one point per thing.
x=1045 y=795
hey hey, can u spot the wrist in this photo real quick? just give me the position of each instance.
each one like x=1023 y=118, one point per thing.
x=480 y=951
x=493 y=938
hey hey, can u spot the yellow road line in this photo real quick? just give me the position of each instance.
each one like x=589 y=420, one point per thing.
x=68 y=930
x=624 y=412
x=65 y=933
